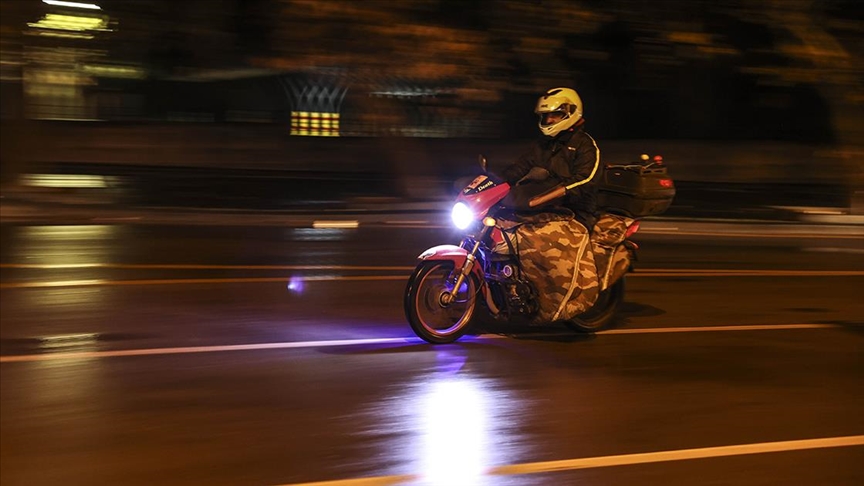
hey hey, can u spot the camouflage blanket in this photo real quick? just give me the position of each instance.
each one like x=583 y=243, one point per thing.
x=610 y=259
x=554 y=249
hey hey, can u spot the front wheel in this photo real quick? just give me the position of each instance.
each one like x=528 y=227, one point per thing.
x=431 y=317
x=601 y=314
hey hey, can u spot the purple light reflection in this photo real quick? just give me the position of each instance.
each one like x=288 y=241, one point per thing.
x=296 y=284
x=449 y=362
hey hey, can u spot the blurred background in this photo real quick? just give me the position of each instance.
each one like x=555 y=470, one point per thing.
x=279 y=104
x=210 y=210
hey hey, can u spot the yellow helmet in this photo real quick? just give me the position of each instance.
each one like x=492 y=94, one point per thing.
x=559 y=109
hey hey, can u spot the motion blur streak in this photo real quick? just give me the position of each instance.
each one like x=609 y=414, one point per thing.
x=174 y=281
x=747 y=273
x=168 y=266
x=59 y=283
x=295 y=280
x=65 y=266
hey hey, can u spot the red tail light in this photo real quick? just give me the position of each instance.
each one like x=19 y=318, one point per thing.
x=632 y=229
x=666 y=183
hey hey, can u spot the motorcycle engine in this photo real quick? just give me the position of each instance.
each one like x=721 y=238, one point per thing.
x=522 y=297
x=517 y=295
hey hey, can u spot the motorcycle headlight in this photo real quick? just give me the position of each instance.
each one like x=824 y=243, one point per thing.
x=462 y=215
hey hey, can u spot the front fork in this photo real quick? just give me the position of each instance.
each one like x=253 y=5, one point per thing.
x=470 y=260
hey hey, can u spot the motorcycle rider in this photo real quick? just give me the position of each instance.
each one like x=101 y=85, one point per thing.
x=566 y=151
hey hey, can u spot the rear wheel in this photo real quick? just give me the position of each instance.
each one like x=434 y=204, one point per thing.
x=430 y=315
x=602 y=313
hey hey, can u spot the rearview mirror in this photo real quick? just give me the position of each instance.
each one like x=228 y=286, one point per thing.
x=482 y=161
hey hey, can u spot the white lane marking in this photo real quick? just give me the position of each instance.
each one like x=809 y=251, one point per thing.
x=203 y=349
x=621 y=460
x=351 y=342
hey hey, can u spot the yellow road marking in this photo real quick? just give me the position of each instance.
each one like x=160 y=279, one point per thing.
x=350 y=224
x=621 y=460
x=678 y=455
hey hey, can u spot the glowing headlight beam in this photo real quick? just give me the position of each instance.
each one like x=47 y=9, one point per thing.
x=461 y=215
x=59 y=3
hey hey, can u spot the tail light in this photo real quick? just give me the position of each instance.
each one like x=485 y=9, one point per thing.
x=667 y=183
x=632 y=229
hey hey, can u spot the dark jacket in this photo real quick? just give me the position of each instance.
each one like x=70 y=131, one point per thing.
x=571 y=157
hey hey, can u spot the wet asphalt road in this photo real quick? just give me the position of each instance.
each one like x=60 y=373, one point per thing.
x=170 y=355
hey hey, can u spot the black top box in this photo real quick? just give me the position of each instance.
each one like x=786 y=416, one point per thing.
x=636 y=190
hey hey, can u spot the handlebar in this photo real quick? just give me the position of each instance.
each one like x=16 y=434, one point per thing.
x=547 y=196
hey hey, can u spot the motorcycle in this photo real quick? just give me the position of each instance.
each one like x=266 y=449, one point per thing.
x=442 y=294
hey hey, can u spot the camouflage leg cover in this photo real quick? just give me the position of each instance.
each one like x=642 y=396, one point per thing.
x=549 y=252
x=618 y=265
x=607 y=235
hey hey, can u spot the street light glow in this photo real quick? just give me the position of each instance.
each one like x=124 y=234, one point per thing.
x=59 y=3
x=69 y=22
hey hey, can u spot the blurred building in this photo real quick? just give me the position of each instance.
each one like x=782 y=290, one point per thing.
x=440 y=68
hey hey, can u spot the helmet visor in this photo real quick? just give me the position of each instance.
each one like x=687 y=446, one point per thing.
x=552 y=117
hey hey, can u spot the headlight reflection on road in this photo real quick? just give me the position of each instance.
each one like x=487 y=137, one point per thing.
x=67 y=245
x=61 y=232
x=323 y=233
x=78 y=340
x=447 y=425
x=455 y=433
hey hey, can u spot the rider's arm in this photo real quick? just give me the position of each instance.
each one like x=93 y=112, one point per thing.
x=519 y=168
x=585 y=165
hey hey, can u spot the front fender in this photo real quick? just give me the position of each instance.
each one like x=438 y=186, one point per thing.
x=453 y=253
x=458 y=255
